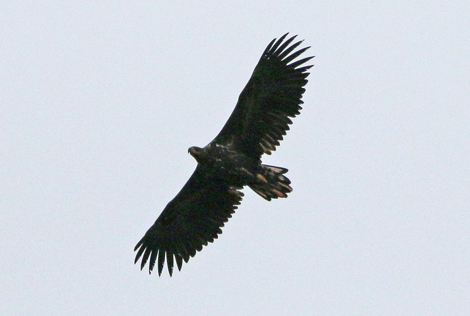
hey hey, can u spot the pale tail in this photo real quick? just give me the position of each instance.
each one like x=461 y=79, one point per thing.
x=271 y=183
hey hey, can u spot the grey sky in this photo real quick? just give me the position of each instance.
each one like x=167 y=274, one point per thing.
x=100 y=102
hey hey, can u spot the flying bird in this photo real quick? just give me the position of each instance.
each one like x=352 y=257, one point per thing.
x=232 y=160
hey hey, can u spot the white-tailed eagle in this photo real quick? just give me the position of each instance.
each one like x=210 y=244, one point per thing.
x=232 y=160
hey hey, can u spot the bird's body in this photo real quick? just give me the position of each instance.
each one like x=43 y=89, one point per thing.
x=236 y=169
x=229 y=165
x=232 y=160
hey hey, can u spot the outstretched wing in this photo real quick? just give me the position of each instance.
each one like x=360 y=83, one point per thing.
x=271 y=97
x=189 y=222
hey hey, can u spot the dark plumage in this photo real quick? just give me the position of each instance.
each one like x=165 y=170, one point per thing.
x=232 y=160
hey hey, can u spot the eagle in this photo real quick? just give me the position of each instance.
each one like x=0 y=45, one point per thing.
x=261 y=117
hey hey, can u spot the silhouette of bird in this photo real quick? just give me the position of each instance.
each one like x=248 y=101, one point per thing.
x=232 y=160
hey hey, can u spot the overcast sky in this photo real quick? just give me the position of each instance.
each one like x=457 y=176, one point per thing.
x=100 y=101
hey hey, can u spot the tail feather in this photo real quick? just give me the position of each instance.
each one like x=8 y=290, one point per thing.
x=271 y=183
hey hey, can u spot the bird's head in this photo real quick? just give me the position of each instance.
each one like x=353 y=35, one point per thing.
x=196 y=152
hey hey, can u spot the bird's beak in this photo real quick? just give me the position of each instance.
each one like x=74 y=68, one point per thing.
x=191 y=150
